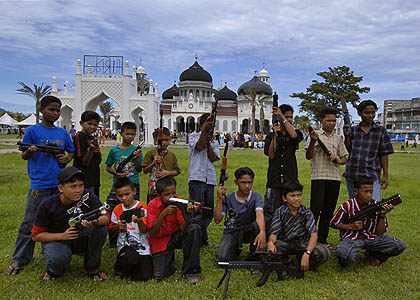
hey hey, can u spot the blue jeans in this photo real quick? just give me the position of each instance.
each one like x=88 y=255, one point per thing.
x=204 y=193
x=24 y=249
x=376 y=189
x=90 y=242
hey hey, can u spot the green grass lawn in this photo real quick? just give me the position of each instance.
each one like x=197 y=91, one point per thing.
x=397 y=279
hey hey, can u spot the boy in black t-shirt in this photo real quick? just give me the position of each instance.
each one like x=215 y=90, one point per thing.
x=59 y=240
x=88 y=154
x=245 y=221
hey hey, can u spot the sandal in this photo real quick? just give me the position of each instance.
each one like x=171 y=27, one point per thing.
x=97 y=276
x=12 y=270
x=47 y=277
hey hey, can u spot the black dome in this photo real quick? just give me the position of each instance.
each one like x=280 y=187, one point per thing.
x=256 y=84
x=196 y=73
x=171 y=92
x=225 y=94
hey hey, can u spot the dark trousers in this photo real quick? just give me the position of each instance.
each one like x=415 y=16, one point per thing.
x=324 y=195
x=272 y=201
x=90 y=242
x=231 y=243
x=189 y=240
x=24 y=248
x=130 y=263
x=204 y=193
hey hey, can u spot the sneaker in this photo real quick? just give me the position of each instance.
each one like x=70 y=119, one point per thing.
x=192 y=278
x=207 y=244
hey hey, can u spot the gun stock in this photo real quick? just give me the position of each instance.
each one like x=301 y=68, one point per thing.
x=322 y=145
x=48 y=148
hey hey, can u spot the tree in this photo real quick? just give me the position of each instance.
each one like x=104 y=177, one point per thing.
x=106 y=109
x=255 y=99
x=300 y=123
x=36 y=93
x=339 y=82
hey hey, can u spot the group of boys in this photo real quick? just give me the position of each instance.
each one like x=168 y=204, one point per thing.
x=147 y=235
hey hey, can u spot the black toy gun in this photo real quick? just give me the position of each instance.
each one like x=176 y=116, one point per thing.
x=182 y=203
x=47 y=148
x=276 y=118
x=322 y=145
x=266 y=263
x=89 y=216
x=129 y=158
x=128 y=214
x=223 y=175
x=345 y=111
x=372 y=209
x=213 y=112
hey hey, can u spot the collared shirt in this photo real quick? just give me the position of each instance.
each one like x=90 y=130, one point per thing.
x=322 y=168
x=350 y=208
x=283 y=167
x=200 y=167
x=366 y=149
x=291 y=228
x=171 y=224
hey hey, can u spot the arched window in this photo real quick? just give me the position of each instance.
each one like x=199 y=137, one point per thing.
x=234 y=126
x=203 y=94
x=216 y=127
x=191 y=92
x=208 y=94
x=225 y=125
x=169 y=124
x=197 y=94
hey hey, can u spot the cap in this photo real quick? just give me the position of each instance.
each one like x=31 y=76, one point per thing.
x=67 y=173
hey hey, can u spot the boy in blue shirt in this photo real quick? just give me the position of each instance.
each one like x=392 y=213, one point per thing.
x=43 y=170
x=245 y=222
x=115 y=156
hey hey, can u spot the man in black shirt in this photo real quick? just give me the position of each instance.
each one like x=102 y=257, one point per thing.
x=280 y=146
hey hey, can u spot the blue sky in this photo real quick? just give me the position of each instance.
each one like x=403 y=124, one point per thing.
x=378 y=40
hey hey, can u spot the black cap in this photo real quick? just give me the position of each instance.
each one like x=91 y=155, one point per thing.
x=67 y=173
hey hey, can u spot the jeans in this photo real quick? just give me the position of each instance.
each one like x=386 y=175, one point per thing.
x=376 y=189
x=203 y=193
x=24 y=249
x=324 y=195
x=90 y=242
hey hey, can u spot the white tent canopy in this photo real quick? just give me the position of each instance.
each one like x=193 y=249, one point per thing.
x=31 y=120
x=7 y=120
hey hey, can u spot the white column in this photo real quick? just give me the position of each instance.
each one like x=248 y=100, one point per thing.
x=78 y=95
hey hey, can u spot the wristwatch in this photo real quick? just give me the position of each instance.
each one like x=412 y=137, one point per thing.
x=309 y=252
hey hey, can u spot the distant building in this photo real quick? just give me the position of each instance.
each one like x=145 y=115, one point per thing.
x=402 y=117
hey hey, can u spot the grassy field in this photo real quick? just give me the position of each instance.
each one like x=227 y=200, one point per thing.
x=397 y=279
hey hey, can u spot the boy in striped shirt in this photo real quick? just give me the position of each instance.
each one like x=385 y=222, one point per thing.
x=365 y=234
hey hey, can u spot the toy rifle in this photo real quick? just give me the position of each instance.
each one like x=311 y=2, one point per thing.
x=223 y=175
x=266 y=263
x=160 y=138
x=129 y=158
x=182 y=203
x=89 y=216
x=47 y=148
x=213 y=112
x=372 y=209
x=128 y=214
x=276 y=118
x=345 y=111
x=322 y=145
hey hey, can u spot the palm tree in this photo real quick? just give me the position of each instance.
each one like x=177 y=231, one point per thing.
x=106 y=109
x=256 y=99
x=36 y=93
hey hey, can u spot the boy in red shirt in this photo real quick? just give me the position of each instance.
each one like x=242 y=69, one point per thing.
x=169 y=230
x=133 y=257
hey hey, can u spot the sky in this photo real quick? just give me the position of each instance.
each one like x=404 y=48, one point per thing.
x=378 y=40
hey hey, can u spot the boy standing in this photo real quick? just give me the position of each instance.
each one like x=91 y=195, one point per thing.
x=133 y=257
x=42 y=170
x=115 y=156
x=369 y=146
x=365 y=234
x=203 y=152
x=160 y=166
x=293 y=231
x=280 y=146
x=245 y=220
x=170 y=228
x=59 y=240
x=88 y=154
x=325 y=171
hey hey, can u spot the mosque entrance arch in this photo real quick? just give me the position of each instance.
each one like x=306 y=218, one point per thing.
x=66 y=116
x=245 y=125
x=180 y=124
x=191 y=124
